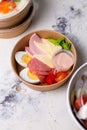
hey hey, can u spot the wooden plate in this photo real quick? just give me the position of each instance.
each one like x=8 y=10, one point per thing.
x=20 y=46
x=20 y=28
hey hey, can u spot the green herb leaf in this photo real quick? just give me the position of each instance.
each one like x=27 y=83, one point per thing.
x=56 y=42
x=66 y=46
x=61 y=41
x=53 y=41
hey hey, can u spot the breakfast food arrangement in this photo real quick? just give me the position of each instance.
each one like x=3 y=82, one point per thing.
x=15 y=17
x=7 y=6
x=45 y=61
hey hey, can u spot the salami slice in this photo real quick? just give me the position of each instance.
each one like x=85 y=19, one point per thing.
x=36 y=65
x=39 y=68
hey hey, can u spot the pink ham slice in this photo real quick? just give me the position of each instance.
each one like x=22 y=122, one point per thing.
x=27 y=49
x=32 y=47
x=39 y=68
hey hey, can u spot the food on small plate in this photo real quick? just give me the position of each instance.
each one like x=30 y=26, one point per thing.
x=28 y=76
x=49 y=59
x=22 y=58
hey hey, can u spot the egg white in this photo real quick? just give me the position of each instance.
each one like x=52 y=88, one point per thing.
x=18 y=58
x=23 y=75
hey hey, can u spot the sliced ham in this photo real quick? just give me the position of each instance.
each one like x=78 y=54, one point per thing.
x=28 y=50
x=35 y=39
x=32 y=48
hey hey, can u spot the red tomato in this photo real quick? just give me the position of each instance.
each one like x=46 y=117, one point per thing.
x=85 y=123
x=50 y=79
x=80 y=101
x=60 y=76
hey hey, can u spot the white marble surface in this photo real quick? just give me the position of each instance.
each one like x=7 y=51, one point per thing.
x=26 y=109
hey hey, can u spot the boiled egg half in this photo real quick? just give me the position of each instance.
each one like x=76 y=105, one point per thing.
x=28 y=76
x=22 y=58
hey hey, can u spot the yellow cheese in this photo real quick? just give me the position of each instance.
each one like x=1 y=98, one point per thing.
x=45 y=59
x=48 y=48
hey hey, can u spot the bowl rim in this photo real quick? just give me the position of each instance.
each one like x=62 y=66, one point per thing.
x=36 y=31
x=68 y=95
x=12 y=14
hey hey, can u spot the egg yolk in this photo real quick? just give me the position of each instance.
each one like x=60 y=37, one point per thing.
x=26 y=58
x=32 y=76
x=7 y=6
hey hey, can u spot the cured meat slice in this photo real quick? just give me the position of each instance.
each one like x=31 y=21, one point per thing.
x=42 y=78
x=38 y=67
x=27 y=49
x=35 y=39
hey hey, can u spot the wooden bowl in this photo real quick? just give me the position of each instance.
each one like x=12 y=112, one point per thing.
x=24 y=42
x=20 y=28
x=12 y=19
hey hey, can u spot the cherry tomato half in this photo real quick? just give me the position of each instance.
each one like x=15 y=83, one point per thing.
x=60 y=76
x=50 y=79
x=80 y=101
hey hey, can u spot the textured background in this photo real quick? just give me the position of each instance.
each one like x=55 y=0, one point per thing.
x=26 y=109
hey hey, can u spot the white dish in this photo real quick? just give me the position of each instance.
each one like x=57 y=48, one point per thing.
x=71 y=86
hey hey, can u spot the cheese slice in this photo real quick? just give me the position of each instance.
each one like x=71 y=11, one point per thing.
x=48 y=48
x=45 y=59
